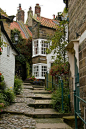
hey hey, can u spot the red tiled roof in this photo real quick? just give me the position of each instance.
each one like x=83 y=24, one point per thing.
x=48 y=22
x=30 y=33
x=16 y=25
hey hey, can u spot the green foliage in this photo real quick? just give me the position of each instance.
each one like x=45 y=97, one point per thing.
x=17 y=85
x=2 y=100
x=9 y=96
x=59 y=42
x=57 y=100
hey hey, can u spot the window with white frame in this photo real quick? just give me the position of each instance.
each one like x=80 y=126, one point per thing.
x=36 y=47
x=44 y=46
x=43 y=70
x=8 y=50
x=36 y=71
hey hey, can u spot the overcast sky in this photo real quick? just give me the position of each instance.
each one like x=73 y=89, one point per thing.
x=48 y=7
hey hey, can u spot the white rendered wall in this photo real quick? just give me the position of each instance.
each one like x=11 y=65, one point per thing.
x=7 y=64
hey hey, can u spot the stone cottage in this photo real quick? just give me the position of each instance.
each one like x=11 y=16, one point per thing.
x=41 y=28
x=77 y=51
x=7 y=59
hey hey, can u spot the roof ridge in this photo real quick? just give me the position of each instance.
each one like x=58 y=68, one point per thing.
x=23 y=28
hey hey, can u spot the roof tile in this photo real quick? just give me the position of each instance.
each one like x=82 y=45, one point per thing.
x=47 y=22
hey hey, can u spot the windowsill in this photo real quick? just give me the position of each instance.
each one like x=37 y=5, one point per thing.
x=39 y=55
x=40 y=77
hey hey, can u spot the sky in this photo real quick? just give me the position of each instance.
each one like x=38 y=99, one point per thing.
x=48 y=7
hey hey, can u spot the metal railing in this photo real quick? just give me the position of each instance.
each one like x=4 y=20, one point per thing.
x=75 y=109
x=58 y=85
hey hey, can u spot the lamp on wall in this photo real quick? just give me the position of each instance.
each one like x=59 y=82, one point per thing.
x=16 y=38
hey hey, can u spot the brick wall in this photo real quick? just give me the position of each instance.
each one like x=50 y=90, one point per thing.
x=77 y=17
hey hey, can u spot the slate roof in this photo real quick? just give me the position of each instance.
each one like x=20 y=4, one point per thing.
x=51 y=23
x=25 y=32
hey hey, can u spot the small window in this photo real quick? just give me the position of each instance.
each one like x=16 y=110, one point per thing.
x=36 y=71
x=8 y=50
x=44 y=70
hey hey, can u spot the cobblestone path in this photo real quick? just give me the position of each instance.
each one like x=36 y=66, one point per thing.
x=32 y=110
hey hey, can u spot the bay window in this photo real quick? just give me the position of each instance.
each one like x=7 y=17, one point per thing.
x=39 y=47
x=39 y=70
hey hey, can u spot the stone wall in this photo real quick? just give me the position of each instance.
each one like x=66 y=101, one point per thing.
x=82 y=72
x=77 y=17
x=39 y=31
x=39 y=59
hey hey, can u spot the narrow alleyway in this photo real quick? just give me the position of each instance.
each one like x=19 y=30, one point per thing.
x=32 y=110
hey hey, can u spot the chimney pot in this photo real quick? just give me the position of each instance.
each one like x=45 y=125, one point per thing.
x=30 y=8
x=19 y=6
x=53 y=16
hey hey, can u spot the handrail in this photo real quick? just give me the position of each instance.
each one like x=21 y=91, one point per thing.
x=53 y=83
x=76 y=113
x=81 y=99
x=80 y=117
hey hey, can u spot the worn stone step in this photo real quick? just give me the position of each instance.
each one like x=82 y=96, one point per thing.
x=40 y=92
x=54 y=122
x=38 y=86
x=28 y=87
x=46 y=113
x=41 y=104
x=52 y=126
x=41 y=96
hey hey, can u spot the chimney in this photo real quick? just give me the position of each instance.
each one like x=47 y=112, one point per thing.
x=20 y=14
x=37 y=10
x=53 y=16
x=29 y=17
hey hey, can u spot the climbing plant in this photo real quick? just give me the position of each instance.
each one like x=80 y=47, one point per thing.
x=24 y=46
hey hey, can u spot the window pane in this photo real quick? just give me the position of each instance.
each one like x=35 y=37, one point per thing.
x=36 y=71
x=44 y=70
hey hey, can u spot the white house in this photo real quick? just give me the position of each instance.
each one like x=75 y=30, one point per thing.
x=7 y=59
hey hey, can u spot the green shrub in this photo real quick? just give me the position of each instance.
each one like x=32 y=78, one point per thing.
x=9 y=96
x=2 y=98
x=17 y=86
x=57 y=100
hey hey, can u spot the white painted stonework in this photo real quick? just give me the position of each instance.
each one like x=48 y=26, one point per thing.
x=7 y=63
